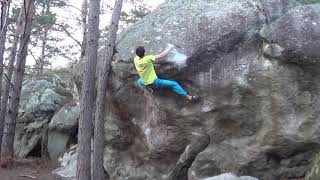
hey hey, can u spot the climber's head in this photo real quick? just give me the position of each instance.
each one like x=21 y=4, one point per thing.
x=140 y=51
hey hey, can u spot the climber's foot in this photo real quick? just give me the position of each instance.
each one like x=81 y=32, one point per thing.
x=192 y=98
x=149 y=90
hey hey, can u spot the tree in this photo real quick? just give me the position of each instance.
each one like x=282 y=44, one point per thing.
x=98 y=170
x=8 y=76
x=4 y=21
x=45 y=12
x=87 y=98
x=10 y=122
x=43 y=27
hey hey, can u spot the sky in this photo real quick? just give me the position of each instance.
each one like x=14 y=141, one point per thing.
x=69 y=16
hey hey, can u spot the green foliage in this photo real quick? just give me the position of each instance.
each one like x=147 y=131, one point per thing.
x=61 y=70
x=134 y=15
x=47 y=19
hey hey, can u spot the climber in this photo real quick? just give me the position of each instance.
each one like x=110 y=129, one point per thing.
x=148 y=77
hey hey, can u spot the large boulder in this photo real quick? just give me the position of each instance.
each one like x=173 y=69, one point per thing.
x=40 y=99
x=260 y=112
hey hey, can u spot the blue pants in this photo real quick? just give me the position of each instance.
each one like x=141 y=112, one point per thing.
x=162 y=83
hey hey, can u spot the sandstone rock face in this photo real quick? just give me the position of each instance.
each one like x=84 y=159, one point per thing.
x=298 y=33
x=40 y=98
x=258 y=112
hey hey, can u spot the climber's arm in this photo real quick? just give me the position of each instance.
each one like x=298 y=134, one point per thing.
x=164 y=53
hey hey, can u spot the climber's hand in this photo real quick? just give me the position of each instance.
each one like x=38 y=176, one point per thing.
x=170 y=46
x=165 y=52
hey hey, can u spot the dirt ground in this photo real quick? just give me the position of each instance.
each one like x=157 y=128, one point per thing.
x=28 y=169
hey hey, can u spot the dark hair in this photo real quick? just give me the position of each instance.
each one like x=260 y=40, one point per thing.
x=140 y=51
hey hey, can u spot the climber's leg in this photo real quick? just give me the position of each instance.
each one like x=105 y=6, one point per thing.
x=144 y=87
x=174 y=86
x=141 y=84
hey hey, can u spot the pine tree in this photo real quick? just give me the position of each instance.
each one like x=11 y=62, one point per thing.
x=8 y=76
x=98 y=170
x=87 y=98
x=10 y=122
x=4 y=22
x=43 y=27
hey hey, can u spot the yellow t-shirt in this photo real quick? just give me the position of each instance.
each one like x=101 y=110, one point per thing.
x=145 y=68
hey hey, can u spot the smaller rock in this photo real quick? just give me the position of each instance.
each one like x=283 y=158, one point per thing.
x=41 y=95
x=63 y=129
x=230 y=176
x=66 y=118
x=68 y=163
x=57 y=144
x=40 y=99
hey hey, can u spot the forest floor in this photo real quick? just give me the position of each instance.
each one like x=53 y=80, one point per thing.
x=28 y=169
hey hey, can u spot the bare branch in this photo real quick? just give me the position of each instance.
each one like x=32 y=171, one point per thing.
x=68 y=34
x=69 y=5
x=67 y=18
x=8 y=80
x=32 y=55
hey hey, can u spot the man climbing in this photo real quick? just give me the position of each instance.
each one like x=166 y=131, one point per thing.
x=148 y=77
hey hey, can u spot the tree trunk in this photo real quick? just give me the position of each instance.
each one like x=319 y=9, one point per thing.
x=84 y=15
x=87 y=98
x=98 y=170
x=12 y=58
x=3 y=32
x=43 y=50
x=10 y=123
x=45 y=10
